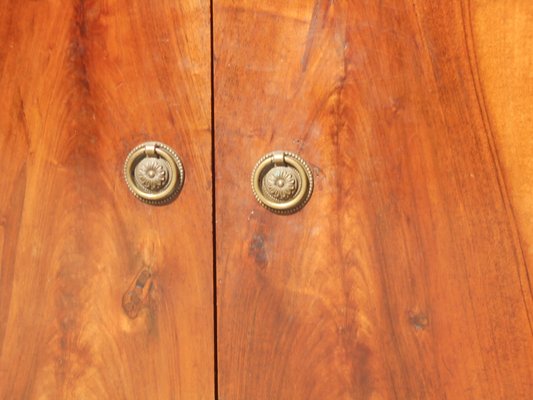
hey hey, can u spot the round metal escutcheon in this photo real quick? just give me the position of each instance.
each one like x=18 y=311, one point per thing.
x=282 y=182
x=154 y=173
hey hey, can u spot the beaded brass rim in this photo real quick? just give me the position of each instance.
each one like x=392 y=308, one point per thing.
x=154 y=173
x=282 y=182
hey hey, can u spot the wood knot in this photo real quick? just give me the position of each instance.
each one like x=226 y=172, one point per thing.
x=419 y=320
x=137 y=296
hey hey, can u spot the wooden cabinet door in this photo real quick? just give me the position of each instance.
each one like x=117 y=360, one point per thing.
x=406 y=275
x=82 y=83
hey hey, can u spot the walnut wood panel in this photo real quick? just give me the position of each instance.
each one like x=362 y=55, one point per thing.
x=406 y=275
x=82 y=83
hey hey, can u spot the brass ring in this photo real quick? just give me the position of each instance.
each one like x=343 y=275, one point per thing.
x=294 y=177
x=165 y=166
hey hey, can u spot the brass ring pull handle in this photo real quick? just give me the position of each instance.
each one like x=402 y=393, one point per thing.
x=154 y=173
x=282 y=182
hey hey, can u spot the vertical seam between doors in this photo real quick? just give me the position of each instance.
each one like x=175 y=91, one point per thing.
x=213 y=201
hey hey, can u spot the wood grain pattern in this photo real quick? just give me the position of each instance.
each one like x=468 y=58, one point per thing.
x=82 y=83
x=406 y=276
x=503 y=40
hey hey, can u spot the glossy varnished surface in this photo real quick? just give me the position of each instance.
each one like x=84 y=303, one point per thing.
x=82 y=83
x=406 y=275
